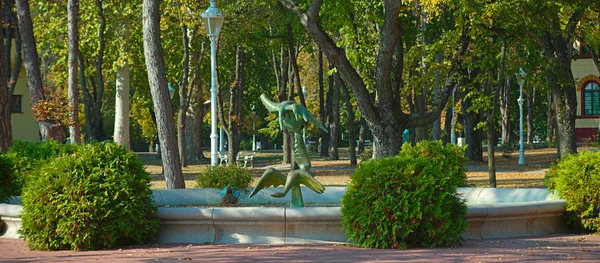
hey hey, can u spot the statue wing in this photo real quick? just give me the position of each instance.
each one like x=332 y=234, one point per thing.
x=300 y=176
x=270 y=177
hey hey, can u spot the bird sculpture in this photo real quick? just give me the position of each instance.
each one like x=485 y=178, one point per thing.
x=293 y=117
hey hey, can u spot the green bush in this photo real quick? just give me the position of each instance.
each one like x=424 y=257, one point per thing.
x=407 y=200
x=220 y=177
x=450 y=158
x=577 y=180
x=29 y=156
x=7 y=178
x=96 y=198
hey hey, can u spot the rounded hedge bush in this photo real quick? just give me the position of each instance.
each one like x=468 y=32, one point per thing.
x=95 y=198
x=220 y=177
x=577 y=180
x=7 y=178
x=29 y=156
x=407 y=200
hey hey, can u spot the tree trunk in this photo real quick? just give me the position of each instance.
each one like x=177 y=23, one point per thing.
x=73 y=36
x=437 y=125
x=200 y=109
x=294 y=64
x=556 y=41
x=350 y=125
x=281 y=72
x=334 y=127
x=550 y=120
x=87 y=99
x=183 y=98
x=491 y=119
x=233 y=126
x=17 y=59
x=5 y=124
x=420 y=99
x=323 y=136
x=530 y=103
x=98 y=131
x=448 y=126
x=505 y=113
x=384 y=116
x=31 y=62
x=160 y=95
x=122 y=102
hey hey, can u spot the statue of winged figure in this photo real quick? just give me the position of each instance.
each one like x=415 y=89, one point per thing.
x=293 y=117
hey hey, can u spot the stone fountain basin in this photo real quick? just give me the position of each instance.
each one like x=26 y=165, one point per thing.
x=191 y=216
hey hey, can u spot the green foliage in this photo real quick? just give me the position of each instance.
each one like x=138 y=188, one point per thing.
x=98 y=197
x=29 y=156
x=577 y=180
x=7 y=178
x=219 y=177
x=407 y=200
x=450 y=158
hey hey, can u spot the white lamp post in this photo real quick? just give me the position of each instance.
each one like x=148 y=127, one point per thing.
x=521 y=79
x=213 y=19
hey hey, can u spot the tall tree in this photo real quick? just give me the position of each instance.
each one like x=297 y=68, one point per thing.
x=160 y=95
x=323 y=136
x=350 y=124
x=12 y=70
x=334 y=124
x=553 y=25
x=73 y=36
x=184 y=88
x=233 y=124
x=384 y=116
x=48 y=129
x=122 y=102
x=5 y=125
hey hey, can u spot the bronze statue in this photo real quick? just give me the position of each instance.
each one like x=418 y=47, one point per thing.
x=293 y=117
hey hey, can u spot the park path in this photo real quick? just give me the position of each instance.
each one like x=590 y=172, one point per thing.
x=564 y=248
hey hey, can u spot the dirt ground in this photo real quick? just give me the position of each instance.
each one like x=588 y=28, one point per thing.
x=337 y=173
x=565 y=248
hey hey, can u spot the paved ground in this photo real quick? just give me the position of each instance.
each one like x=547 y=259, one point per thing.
x=565 y=248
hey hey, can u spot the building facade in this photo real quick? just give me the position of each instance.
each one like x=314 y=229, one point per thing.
x=587 y=81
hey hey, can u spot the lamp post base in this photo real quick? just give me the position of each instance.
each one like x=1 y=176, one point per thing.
x=521 y=157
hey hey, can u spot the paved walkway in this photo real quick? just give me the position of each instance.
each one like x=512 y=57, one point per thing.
x=565 y=248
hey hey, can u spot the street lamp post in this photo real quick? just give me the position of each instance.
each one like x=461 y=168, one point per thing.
x=213 y=19
x=521 y=79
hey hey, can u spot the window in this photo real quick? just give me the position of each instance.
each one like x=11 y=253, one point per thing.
x=16 y=104
x=591 y=99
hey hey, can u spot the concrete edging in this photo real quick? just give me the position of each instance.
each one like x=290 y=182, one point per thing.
x=515 y=213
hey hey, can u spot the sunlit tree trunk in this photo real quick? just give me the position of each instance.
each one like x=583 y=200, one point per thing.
x=160 y=95
x=73 y=36
x=122 y=102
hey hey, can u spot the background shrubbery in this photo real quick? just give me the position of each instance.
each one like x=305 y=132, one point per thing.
x=577 y=180
x=407 y=200
x=97 y=197
x=7 y=178
x=219 y=177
